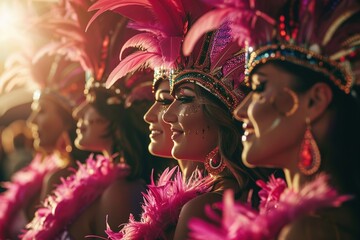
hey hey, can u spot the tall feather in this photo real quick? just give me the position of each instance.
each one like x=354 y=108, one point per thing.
x=132 y=63
x=165 y=22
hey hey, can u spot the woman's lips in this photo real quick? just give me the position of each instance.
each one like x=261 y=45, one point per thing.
x=248 y=131
x=155 y=132
x=176 y=133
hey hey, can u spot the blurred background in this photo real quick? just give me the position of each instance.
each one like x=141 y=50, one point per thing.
x=16 y=35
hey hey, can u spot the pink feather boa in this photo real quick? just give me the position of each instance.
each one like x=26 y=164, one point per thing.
x=24 y=185
x=162 y=205
x=74 y=195
x=279 y=206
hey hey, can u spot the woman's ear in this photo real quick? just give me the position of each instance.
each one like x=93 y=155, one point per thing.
x=320 y=96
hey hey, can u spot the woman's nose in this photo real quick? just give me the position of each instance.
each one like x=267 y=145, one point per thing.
x=150 y=116
x=31 y=119
x=78 y=112
x=170 y=115
x=240 y=112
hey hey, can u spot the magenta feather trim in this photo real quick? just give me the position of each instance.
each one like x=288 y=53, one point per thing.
x=24 y=185
x=162 y=204
x=136 y=61
x=242 y=17
x=123 y=7
x=165 y=21
x=74 y=195
x=279 y=207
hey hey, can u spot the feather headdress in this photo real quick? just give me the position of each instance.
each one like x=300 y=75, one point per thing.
x=218 y=67
x=96 y=48
x=320 y=35
x=162 y=24
x=47 y=73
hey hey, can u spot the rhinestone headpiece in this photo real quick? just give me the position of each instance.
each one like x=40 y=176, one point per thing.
x=322 y=35
x=219 y=68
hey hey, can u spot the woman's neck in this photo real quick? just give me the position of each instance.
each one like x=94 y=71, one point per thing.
x=295 y=179
x=106 y=153
x=188 y=167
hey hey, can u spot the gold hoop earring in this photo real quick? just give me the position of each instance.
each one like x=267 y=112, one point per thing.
x=310 y=159
x=295 y=100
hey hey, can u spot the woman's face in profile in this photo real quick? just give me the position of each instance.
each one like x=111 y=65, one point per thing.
x=160 y=133
x=46 y=124
x=273 y=116
x=193 y=134
x=92 y=129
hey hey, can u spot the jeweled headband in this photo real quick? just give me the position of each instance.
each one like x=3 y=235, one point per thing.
x=303 y=57
x=322 y=35
x=219 y=68
x=161 y=73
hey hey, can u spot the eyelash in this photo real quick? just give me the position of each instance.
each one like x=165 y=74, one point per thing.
x=185 y=99
x=260 y=87
x=164 y=101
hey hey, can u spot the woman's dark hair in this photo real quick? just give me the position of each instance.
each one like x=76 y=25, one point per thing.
x=130 y=133
x=75 y=154
x=230 y=145
x=127 y=128
x=341 y=150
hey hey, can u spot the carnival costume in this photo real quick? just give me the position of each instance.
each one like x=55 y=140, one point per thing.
x=162 y=205
x=163 y=26
x=279 y=206
x=322 y=36
x=94 y=50
x=25 y=186
x=55 y=79
x=72 y=196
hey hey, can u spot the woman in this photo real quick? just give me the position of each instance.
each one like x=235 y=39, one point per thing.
x=302 y=116
x=160 y=137
x=159 y=47
x=109 y=122
x=55 y=150
x=206 y=92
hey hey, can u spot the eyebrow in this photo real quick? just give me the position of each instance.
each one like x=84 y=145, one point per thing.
x=184 y=87
x=164 y=91
x=255 y=77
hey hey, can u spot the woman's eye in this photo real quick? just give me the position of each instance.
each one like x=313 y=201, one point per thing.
x=259 y=87
x=185 y=99
x=164 y=101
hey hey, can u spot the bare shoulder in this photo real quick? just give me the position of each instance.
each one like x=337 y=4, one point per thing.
x=122 y=194
x=118 y=201
x=332 y=223
x=195 y=208
x=53 y=179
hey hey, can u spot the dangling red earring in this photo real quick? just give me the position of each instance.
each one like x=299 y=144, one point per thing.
x=310 y=158
x=214 y=163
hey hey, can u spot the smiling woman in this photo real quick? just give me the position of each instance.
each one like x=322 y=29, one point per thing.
x=160 y=131
x=206 y=92
x=302 y=115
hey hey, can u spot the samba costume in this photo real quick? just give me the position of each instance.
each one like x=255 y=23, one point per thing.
x=279 y=205
x=162 y=204
x=69 y=199
x=24 y=187
x=164 y=24
x=284 y=32
x=23 y=192
x=216 y=67
x=85 y=189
